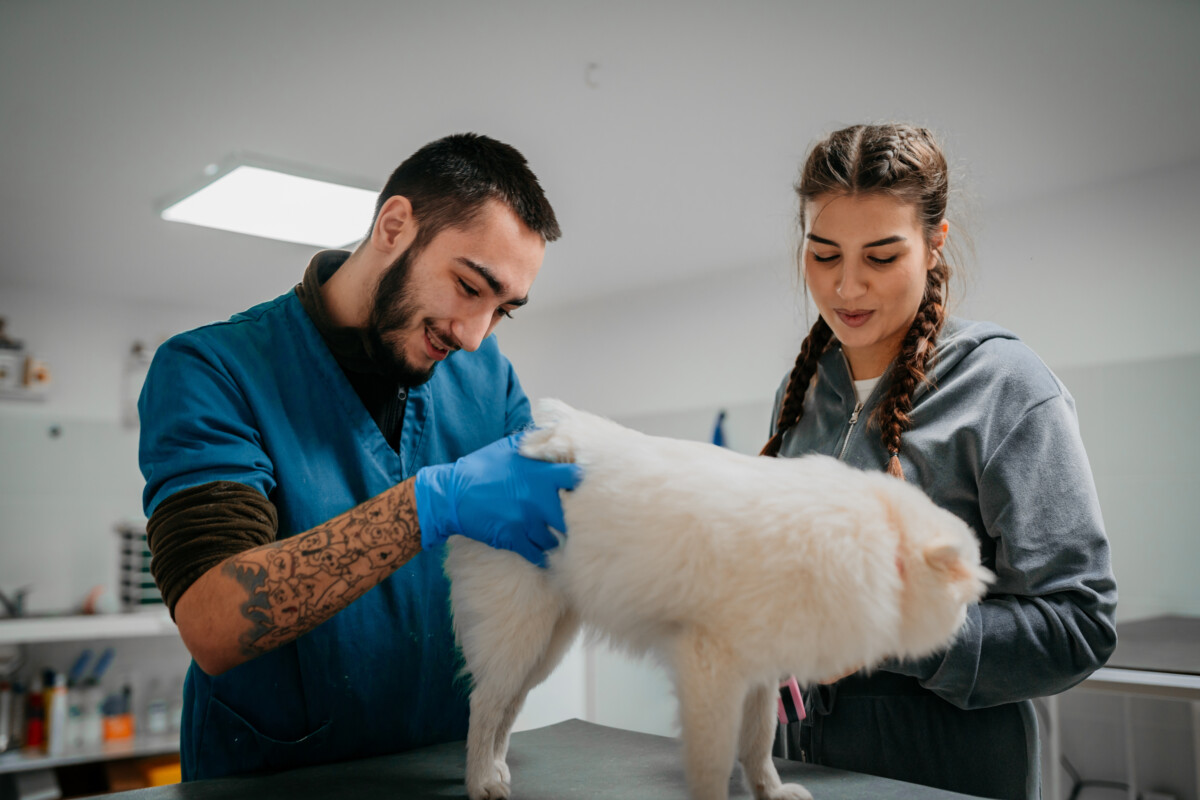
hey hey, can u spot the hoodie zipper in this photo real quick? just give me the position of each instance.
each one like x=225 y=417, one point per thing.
x=853 y=419
x=858 y=407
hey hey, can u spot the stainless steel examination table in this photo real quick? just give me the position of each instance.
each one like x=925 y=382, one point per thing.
x=572 y=759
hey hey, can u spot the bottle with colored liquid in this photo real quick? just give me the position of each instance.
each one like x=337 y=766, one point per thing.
x=35 y=715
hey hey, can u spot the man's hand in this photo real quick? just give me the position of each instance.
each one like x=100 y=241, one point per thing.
x=496 y=496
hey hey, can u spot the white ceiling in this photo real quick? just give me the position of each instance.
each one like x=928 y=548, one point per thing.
x=673 y=156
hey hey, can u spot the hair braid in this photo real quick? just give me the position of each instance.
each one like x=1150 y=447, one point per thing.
x=792 y=408
x=914 y=359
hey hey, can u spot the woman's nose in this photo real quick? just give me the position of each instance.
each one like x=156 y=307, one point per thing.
x=852 y=283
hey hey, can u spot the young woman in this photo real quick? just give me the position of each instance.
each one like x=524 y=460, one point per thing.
x=886 y=380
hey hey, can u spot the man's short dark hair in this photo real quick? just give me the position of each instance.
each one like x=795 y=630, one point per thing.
x=449 y=181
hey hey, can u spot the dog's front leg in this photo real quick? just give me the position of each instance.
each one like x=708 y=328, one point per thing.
x=489 y=706
x=754 y=748
x=561 y=639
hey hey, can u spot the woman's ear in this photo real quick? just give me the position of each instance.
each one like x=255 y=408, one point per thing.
x=940 y=236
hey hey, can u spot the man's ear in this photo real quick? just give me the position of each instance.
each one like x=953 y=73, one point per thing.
x=395 y=227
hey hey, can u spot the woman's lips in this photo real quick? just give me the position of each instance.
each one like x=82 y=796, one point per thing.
x=854 y=318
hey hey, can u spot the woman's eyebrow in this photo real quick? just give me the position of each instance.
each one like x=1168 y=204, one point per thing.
x=879 y=243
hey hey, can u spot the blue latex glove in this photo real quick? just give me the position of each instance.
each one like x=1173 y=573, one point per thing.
x=496 y=496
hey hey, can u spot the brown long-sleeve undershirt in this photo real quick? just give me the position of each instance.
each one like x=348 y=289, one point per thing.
x=196 y=529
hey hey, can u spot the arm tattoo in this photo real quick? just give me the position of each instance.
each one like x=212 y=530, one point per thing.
x=295 y=584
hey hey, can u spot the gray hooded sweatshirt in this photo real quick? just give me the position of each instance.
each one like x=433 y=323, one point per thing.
x=994 y=440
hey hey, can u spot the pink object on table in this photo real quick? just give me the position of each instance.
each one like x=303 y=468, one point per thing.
x=791 y=704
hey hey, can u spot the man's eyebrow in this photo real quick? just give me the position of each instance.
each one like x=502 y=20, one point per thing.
x=878 y=243
x=492 y=281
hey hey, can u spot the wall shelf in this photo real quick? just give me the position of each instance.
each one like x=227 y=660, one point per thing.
x=136 y=747
x=31 y=630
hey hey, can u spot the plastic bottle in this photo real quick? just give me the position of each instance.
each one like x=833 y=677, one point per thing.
x=91 y=723
x=6 y=713
x=177 y=706
x=73 y=734
x=118 y=721
x=47 y=691
x=56 y=714
x=75 y=701
x=20 y=701
x=95 y=705
x=157 y=712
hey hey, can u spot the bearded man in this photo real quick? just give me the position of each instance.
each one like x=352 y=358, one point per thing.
x=306 y=460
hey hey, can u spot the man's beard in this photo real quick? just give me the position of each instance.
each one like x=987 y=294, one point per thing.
x=393 y=311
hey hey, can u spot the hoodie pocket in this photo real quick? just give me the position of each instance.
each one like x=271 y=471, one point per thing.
x=231 y=746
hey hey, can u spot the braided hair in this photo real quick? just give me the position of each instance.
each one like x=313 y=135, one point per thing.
x=905 y=163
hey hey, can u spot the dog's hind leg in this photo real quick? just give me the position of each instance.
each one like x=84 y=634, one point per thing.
x=710 y=691
x=754 y=747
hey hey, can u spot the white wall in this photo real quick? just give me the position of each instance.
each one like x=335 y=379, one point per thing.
x=719 y=340
x=69 y=466
x=1139 y=422
x=85 y=340
x=1106 y=274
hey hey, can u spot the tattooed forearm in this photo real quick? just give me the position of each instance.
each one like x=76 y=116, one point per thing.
x=295 y=584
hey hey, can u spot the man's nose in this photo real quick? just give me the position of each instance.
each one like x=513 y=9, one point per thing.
x=470 y=331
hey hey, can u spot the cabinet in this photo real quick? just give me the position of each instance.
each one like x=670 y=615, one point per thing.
x=141 y=632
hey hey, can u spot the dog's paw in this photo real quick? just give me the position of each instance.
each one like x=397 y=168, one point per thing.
x=488 y=790
x=494 y=787
x=787 y=791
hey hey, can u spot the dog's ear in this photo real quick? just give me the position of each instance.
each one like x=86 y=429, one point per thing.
x=944 y=555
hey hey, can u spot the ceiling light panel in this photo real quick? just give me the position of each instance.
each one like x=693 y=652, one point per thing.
x=260 y=201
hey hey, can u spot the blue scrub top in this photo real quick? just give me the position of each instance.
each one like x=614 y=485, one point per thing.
x=259 y=399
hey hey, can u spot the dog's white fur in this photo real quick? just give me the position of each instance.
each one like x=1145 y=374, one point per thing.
x=734 y=570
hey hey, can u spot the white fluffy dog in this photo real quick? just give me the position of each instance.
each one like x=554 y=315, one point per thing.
x=735 y=571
